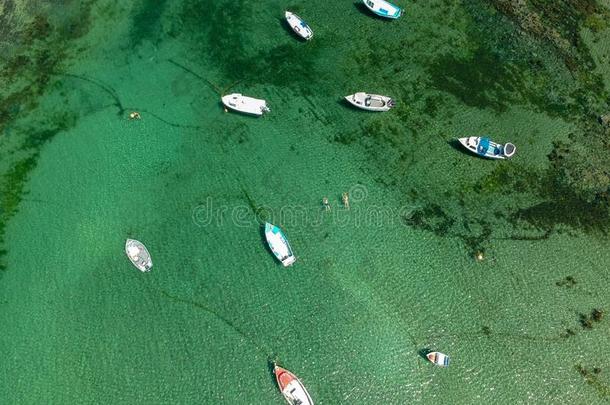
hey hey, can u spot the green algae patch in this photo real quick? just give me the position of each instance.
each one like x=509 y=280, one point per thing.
x=12 y=185
x=510 y=54
x=229 y=39
x=147 y=21
x=41 y=48
x=593 y=377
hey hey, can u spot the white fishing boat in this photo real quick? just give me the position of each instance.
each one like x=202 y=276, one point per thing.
x=248 y=105
x=486 y=148
x=299 y=26
x=438 y=358
x=383 y=8
x=138 y=254
x=291 y=387
x=279 y=244
x=370 y=102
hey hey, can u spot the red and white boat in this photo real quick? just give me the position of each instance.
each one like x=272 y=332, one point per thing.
x=291 y=388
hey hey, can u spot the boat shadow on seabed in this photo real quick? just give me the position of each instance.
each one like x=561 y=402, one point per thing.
x=455 y=144
x=424 y=352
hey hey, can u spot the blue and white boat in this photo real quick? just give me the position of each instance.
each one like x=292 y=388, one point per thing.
x=438 y=358
x=299 y=26
x=279 y=244
x=383 y=9
x=486 y=148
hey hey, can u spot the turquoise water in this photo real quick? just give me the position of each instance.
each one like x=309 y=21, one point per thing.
x=373 y=286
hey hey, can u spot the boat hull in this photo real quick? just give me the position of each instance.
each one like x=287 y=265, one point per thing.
x=138 y=255
x=244 y=104
x=370 y=102
x=291 y=387
x=483 y=147
x=383 y=9
x=438 y=358
x=279 y=244
x=299 y=26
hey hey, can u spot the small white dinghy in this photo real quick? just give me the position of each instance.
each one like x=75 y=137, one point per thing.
x=248 y=105
x=383 y=9
x=291 y=387
x=138 y=254
x=370 y=102
x=299 y=26
x=438 y=358
x=487 y=148
x=279 y=244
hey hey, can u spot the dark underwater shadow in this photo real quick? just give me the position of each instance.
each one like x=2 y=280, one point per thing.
x=270 y=366
x=423 y=352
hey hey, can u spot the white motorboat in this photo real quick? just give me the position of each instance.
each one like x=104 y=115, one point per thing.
x=383 y=8
x=299 y=26
x=370 y=102
x=487 y=148
x=248 y=105
x=138 y=254
x=279 y=244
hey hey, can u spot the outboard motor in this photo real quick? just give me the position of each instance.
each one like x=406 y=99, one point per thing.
x=509 y=150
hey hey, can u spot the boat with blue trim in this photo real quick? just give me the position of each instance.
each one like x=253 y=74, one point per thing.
x=485 y=147
x=279 y=244
x=438 y=358
x=299 y=26
x=383 y=8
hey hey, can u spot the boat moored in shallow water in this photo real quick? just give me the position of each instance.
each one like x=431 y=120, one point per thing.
x=486 y=148
x=383 y=8
x=370 y=102
x=438 y=358
x=291 y=387
x=244 y=104
x=138 y=254
x=299 y=26
x=279 y=244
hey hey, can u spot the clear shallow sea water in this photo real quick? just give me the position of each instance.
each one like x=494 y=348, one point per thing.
x=373 y=286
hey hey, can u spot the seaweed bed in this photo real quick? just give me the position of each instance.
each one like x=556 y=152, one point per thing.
x=39 y=50
x=529 y=53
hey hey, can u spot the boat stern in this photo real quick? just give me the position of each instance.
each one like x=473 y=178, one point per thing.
x=509 y=149
x=288 y=261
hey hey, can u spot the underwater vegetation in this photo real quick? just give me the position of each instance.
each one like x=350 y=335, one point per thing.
x=593 y=377
x=237 y=54
x=527 y=53
x=27 y=75
x=567 y=282
x=587 y=320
